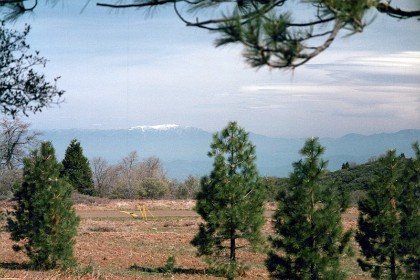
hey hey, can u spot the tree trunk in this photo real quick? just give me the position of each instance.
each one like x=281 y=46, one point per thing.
x=233 y=250
x=393 y=266
x=231 y=274
x=314 y=274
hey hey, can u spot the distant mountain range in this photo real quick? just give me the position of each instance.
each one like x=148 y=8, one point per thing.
x=183 y=150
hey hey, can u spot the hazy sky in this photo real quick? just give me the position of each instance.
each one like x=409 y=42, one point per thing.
x=124 y=69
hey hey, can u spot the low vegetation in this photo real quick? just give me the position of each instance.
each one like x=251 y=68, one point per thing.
x=113 y=245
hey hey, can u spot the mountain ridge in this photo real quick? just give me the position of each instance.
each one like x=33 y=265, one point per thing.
x=183 y=150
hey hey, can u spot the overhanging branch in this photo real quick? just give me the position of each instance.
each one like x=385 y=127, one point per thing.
x=384 y=7
x=270 y=37
x=139 y=5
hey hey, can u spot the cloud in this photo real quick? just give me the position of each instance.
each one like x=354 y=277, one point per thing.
x=354 y=95
x=385 y=68
x=121 y=70
x=360 y=93
x=403 y=60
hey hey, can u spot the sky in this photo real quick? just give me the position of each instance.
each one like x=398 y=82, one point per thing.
x=126 y=68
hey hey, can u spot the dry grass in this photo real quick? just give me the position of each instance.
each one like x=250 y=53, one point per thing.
x=87 y=203
x=127 y=248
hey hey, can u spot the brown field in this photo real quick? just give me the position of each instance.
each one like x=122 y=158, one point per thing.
x=113 y=245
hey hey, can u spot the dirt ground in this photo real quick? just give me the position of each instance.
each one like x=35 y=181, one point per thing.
x=113 y=245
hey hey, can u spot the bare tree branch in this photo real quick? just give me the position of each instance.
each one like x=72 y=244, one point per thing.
x=15 y=142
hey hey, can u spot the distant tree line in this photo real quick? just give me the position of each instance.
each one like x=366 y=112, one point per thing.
x=352 y=181
x=133 y=178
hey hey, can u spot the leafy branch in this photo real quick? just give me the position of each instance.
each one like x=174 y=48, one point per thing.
x=22 y=88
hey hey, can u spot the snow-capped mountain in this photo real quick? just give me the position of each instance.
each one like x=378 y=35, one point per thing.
x=183 y=150
x=160 y=127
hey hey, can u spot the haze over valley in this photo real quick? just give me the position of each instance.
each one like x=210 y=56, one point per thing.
x=183 y=150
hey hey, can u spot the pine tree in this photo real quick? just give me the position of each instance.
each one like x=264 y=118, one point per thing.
x=43 y=222
x=230 y=200
x=410 y=240
x=389 y=220
x=77 y=169
x=309 y=235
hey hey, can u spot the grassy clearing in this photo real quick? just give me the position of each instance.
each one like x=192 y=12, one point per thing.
x=126 y=248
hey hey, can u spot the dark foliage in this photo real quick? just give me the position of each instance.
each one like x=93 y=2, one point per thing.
x=230 y=201
x=389 y=220
x=273 y=186
x=77 y=169
x=43 y=222
x=309 y=236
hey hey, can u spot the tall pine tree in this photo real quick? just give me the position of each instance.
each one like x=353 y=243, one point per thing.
x=389 y=219
x=77 y=169
x=309 y=235
x=43 y=222
x=231 y=200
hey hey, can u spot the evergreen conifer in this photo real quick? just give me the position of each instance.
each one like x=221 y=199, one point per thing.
x=43 y=222
x=230 y=201
x=309 y=235
x=77 y=169
x=389 y=220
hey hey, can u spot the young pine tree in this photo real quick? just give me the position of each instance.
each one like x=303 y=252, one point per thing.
x=43 y=222
x=77 y=169
x=231 y=200
x=389 y=220
x=309 y=235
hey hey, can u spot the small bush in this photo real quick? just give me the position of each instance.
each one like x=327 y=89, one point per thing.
x=8 y=179
x=155 y=188
x=170 y=264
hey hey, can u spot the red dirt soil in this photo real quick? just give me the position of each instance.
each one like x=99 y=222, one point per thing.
x=113 y=245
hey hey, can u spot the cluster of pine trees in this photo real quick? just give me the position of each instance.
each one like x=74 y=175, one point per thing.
x=309 y=238
x=44 y=223
x=308 y=241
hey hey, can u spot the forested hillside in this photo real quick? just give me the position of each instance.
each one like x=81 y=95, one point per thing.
x=352 y=179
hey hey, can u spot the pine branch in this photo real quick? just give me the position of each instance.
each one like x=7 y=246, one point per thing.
x=139 y=5
x=384 y=7
x=321 y=48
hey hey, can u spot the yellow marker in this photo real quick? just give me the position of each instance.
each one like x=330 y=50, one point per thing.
x=143 y=211
x=131 y=214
